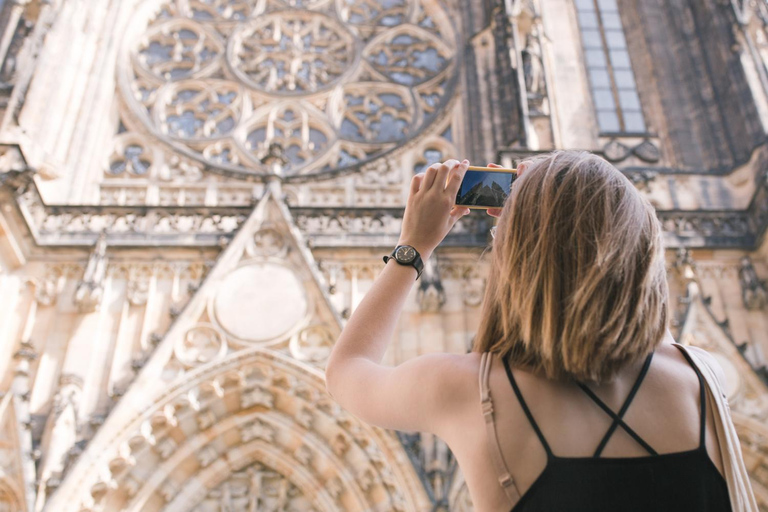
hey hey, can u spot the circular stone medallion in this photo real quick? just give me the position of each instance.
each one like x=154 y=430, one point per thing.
x=260 y=302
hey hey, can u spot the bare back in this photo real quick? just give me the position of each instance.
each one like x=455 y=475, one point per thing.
x=664 y=412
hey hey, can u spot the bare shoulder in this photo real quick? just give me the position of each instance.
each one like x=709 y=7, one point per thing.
x=456 y=375
x=670 y=352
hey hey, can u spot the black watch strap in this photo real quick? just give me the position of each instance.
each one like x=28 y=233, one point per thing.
x=416 y=263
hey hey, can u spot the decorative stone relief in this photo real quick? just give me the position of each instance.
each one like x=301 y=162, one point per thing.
x=81 y=225
x=268 y=242
x=256 y=487
x=312 y=344
x=363 y=79
x=131 y=157
x=283 y=416
x=201 y=344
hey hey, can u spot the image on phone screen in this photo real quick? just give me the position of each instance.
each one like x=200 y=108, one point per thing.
x=486 y=189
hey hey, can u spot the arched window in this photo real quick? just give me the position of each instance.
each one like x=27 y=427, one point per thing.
x=611 y=78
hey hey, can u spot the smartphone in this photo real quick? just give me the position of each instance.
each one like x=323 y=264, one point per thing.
x=485 y=187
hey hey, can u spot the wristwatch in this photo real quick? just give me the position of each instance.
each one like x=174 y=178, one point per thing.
x=409 y=256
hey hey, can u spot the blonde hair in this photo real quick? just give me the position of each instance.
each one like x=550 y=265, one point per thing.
x=577 y=286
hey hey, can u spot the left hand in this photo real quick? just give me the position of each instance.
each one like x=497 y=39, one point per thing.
x=430 y=211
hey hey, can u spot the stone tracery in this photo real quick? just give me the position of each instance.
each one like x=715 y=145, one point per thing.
x=365 y=77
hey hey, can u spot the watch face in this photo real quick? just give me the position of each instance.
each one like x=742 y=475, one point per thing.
x=405 y=254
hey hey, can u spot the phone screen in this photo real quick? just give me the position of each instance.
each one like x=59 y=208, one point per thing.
x=485 y=188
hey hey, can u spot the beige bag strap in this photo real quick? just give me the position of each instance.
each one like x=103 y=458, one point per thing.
x=734 y=470
x=505 y=479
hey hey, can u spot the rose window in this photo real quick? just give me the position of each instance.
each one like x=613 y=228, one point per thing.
x=298 y=87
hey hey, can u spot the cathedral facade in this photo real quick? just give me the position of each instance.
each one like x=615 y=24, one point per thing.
x=196 y=194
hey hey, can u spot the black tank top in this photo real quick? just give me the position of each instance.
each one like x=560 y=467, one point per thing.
x=670 y=482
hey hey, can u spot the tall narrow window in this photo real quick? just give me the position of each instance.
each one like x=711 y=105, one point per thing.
x=610 y=72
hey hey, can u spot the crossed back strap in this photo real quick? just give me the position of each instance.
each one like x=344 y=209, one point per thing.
x=505 y=479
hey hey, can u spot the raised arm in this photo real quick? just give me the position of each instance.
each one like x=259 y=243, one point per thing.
x=412 y=395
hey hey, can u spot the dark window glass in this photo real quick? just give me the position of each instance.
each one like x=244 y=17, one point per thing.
x=633 y=122
x=604 y=99
x=608 y=121
x=611 y=78
x=599 y=78
x=629 y=100
x=608 y=5
x=595 y=58
x=611 y=21
x=615 y=40
x=624 y=78
x=587 y=20
x=620 y=59
x=592 y=39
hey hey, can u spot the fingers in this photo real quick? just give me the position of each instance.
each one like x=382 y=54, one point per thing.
x=494 y=165
x=416 y=182
x=455 y=177
x=458 y=212
x=429 y=177
x=494 y=212
x=442 y=173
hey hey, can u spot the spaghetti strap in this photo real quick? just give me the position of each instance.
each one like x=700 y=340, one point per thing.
x=702 y=397
x=526 y=410
x=618 y=419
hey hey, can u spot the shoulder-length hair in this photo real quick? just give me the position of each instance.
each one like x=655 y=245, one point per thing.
x=577 y=286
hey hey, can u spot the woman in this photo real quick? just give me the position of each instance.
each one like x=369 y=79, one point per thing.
x=594 y=408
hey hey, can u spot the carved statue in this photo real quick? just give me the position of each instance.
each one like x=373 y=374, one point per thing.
x=533 y=69
x=431 y=295
x=61 y=432
x=753 y=290
x=91 y=286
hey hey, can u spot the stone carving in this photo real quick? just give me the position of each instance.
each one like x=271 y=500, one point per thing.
x=81 y=225
x=642 y=179
x=91 y=286
x=533 y=69
x=435 y=463
x=408 y=57
x=616 y=151
x=377 y=112
x=63 y=428
x=255 y=488
x=473 y=290
x=696 y=227
x=202 y=344
x=291 y=52
x=179 y=48
x=130 y=158
x=199 y=110
x=257 y=395
x=257 y=429
x=137 y=291
x=269 y=242
x=431 y=295
x=753 y=290
x=312 y=344
x=348 y=65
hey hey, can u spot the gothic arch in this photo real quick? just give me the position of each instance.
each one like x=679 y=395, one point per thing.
x=257 y=409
